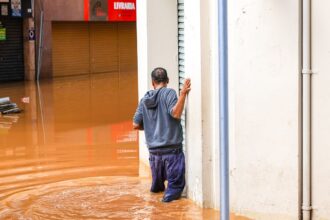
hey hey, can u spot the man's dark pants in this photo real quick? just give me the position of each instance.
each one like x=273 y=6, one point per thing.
x=167 y=164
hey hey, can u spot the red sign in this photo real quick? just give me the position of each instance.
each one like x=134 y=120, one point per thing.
x=118 y=10
x=122 y=10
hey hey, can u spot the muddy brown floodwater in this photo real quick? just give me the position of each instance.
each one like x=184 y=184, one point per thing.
x=72 y=154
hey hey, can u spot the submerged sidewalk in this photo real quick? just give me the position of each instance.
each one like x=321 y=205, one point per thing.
x=72 y=154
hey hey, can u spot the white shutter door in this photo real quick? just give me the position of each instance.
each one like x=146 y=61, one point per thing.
x=181 y=59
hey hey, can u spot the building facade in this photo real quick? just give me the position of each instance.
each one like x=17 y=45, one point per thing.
x=82 y=37
x=265 y=97
x=48 y=39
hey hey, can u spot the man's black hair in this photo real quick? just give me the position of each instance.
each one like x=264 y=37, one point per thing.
x=159 y=75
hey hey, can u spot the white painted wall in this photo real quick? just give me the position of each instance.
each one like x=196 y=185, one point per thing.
x=157 y=32
x=163 y=38
x=320 y=109
x=264 y=108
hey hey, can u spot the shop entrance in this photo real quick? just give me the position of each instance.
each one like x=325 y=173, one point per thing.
x=81 y=48
x=11 y=49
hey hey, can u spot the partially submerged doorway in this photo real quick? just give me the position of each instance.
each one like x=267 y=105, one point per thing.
x=81 y=48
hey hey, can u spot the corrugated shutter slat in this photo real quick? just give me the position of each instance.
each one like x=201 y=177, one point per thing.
x=181 y=58
x=103 y=47
x=11 y=50
x=81 y=48
x=127 y=46
x=70 y=48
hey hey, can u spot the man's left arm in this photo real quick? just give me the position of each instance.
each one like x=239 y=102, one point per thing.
x=179 y=106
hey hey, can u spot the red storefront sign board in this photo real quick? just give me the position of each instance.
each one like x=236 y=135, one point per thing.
x=118 y=10
x=122 y=10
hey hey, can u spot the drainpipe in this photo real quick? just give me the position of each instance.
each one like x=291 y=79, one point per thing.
x=41 y=32
x=223 y=87
x=306 y=112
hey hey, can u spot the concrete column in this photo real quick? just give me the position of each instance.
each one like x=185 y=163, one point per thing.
x=193 y=65
x=210 y=100
x=29 y=49
x=202 y=108
x=157 y=46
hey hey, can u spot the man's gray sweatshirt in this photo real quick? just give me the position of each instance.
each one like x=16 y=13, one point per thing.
x=154 y=114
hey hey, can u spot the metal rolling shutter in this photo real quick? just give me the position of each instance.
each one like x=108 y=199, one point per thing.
x=127 y=46
x=103 y=47
x=11 y=51
x=181 y=56
x=96 y=47
x=181 y=41
x=71 y=54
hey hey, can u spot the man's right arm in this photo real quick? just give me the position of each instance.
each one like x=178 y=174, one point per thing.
x=137 y=127
x=138 y=118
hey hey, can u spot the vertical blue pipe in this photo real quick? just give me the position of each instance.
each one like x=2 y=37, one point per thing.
x=223 y=88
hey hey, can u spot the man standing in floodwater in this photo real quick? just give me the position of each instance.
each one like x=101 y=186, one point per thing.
x=159 y=115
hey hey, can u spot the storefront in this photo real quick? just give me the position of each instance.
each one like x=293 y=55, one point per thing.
x=93 y=47
x=11 y=41
x=17 y=40
x=87 y=37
